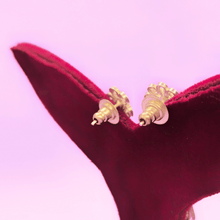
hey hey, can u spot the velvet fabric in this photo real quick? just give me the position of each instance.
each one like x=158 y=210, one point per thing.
x=155 y=172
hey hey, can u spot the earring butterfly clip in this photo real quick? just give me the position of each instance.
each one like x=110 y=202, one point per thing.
x=154 y=109
x=108 y=111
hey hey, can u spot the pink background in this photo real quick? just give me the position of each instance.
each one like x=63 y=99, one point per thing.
x=123 y=43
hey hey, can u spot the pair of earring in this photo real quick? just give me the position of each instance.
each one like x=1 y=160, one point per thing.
x=154 y=109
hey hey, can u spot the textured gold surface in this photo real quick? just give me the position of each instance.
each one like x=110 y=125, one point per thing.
x=154 y=109
x=108 y=111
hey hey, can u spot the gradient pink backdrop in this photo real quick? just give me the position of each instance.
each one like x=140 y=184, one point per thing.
x=123 y=43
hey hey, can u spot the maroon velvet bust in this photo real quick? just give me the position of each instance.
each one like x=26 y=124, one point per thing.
x=153 y=172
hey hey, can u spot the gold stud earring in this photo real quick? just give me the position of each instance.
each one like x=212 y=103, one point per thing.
x=154 y=109
x=108 y=111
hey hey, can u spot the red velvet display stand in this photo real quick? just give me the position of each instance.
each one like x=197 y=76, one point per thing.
x=153 y=172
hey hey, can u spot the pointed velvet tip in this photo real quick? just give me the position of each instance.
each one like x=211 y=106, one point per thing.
x=69 y=96
x=25 y=51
